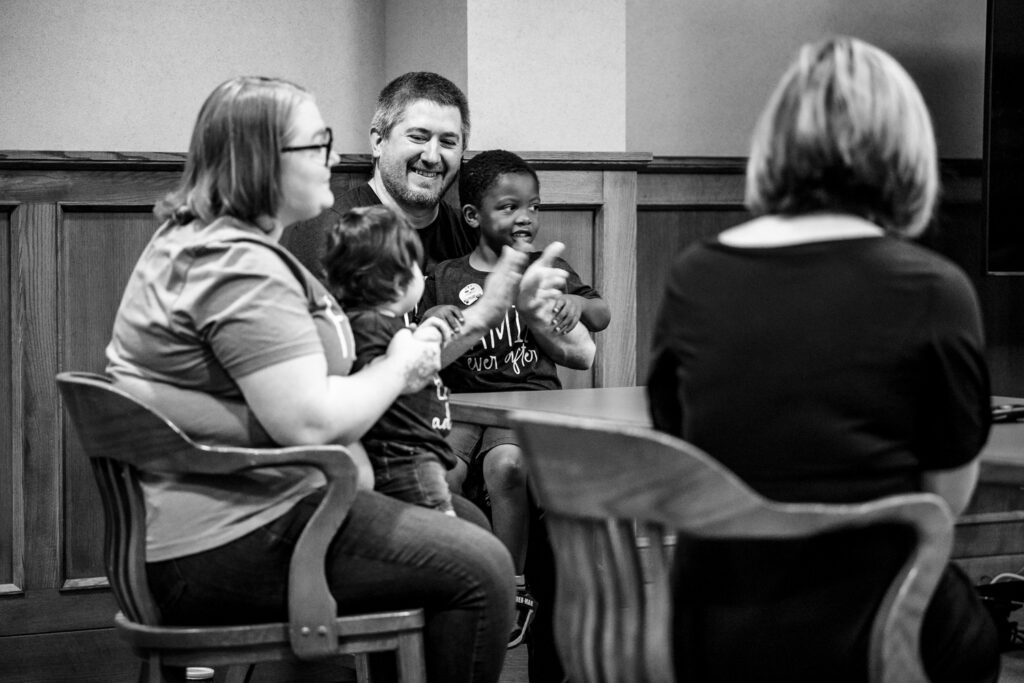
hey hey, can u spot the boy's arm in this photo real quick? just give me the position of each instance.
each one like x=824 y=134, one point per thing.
x=571 y=309
x=596 y=314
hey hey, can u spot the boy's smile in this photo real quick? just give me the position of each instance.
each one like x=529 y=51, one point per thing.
x=509 y=213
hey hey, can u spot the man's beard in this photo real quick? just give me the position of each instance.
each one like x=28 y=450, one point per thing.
x=398 y=187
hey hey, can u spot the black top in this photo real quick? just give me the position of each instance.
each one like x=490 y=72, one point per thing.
x=507 y=357
x=833 y=371
x=419 y=420
x=445 y=238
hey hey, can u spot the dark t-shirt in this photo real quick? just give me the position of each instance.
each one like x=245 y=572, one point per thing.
x=506 y=358
x=419 y=420
x=835 y=372
x=445 y=238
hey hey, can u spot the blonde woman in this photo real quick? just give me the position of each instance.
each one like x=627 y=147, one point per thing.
x=822 y=356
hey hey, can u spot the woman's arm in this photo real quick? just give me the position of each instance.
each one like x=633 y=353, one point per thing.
x=205 y=418
x=298 y=403
x=955 y=486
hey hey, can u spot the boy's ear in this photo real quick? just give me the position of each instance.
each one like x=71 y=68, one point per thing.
x=471 y=215
x=375 y=141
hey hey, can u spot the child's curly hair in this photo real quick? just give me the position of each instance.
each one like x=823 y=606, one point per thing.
x=370 y=255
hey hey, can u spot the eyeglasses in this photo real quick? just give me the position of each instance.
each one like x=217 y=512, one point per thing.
x=325 y=146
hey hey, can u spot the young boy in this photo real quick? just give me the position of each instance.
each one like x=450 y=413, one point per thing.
x=373 y=269
x=500 y=197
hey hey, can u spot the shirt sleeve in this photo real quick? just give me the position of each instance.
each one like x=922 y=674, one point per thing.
x=574 y=284
x=956 y=414
x=663 y=380
x=429 y=298
x=245 y=303
x=372 y=338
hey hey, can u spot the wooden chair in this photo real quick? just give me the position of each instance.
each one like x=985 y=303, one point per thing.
x=604 y=487
x=122 y=436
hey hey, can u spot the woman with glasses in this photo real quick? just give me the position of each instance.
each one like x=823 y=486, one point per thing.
x=228 y=335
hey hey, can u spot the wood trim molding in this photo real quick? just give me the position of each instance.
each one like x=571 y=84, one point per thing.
x=350 y=163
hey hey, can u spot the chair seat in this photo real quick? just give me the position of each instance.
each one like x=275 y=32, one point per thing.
x=215 y=645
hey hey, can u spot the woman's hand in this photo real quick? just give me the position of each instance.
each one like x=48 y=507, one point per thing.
x=418 y=359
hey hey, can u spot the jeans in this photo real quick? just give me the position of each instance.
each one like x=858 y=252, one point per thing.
x=409 y=474
x=388 y=555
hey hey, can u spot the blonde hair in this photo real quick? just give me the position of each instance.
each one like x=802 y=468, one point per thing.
x=846 y=130
x=234 y=158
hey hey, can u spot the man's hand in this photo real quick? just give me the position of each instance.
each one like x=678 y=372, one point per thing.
x=542 y=285
x=501 y=287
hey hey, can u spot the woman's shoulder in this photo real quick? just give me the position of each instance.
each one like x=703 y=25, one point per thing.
x=905 y=257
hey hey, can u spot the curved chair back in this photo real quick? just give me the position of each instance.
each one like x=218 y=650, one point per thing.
x=604 y=487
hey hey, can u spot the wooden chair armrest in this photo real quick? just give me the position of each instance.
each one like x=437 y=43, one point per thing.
x=123 y=428
x=312 y=610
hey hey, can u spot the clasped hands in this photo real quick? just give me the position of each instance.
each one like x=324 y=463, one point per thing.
x=535 y=291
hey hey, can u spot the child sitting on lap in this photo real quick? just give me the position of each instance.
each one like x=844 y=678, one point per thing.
x=500 y=197
x=373 y=269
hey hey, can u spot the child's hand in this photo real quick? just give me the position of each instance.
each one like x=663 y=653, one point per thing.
x=434 y=329
x=567 y=312
x=448 y=313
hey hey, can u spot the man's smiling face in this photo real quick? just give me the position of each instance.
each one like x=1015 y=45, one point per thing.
x=420 y=157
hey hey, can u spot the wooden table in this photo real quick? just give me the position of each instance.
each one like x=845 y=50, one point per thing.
x=615 y=404
x=1002 y=458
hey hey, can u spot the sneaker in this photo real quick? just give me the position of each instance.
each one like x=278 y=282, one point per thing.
x=526 y=610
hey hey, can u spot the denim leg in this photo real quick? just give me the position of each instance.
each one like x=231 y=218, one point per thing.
x=388 y=555
x=413 y=477
x=392 y=555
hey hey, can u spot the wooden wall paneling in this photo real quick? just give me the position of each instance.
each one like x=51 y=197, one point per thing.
x=661 y=236
x=593 y=213
x=98 y=247
x=989 y=535
x=12 y=539
x=678 y=203
x=616 y=267
x=34 y=292
x=575 y=229
x=95 y=655
x=141 y=187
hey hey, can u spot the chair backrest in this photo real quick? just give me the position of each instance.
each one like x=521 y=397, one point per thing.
x=122 y=436
x=604 y=487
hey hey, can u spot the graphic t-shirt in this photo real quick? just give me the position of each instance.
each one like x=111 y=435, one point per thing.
x=419 y=420
x=507 y=357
